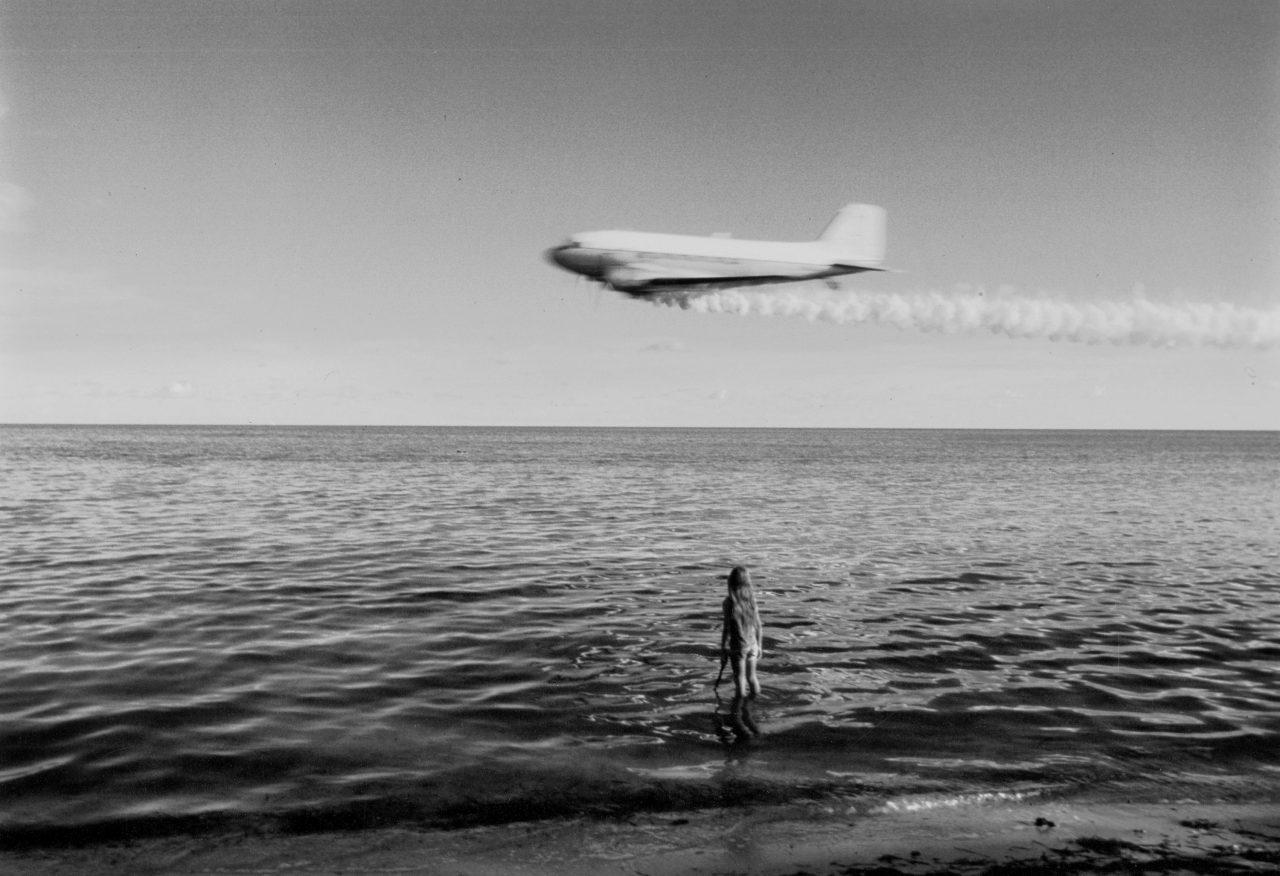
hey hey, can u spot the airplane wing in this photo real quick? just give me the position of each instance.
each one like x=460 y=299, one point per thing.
x=637 y=274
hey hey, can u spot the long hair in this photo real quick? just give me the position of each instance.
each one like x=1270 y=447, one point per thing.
x=743 y=617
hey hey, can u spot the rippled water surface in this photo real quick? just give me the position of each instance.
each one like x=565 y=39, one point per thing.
x=351 y=627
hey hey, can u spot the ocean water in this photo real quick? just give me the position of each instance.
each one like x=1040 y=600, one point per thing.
x=307 y=628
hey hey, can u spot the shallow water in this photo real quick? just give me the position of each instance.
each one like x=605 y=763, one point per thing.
x=443 y=626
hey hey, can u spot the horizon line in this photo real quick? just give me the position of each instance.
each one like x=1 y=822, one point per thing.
x=252 y=425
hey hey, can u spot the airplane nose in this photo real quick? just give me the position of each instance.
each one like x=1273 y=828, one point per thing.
x=558 y=255
x=573 y=257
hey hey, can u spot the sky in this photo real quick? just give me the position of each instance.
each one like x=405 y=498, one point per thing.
x=335 y=212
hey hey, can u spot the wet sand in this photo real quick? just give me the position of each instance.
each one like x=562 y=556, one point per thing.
x=995 y=838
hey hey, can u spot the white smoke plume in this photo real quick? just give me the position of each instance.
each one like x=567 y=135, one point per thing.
x=1006 y=312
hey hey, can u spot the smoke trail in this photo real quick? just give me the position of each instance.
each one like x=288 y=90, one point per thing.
x=1006 y=312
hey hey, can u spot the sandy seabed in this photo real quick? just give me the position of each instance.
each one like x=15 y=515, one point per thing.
x=996 y=838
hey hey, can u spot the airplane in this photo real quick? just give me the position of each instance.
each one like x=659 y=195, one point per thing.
x=644 y=264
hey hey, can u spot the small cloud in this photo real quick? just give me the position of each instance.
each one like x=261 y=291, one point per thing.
x=178 y=389
x=14 y=200
x=719 y=395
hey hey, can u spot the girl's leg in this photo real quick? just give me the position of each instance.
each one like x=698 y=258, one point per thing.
x=751 y=675
x=747 y=720
x=739 y=675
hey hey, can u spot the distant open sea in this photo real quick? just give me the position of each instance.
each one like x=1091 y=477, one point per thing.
x=314 y=628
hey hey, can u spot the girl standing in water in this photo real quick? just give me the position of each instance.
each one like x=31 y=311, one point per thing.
x=742 y=639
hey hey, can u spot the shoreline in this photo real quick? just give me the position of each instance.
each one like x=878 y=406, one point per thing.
x=1028 y=836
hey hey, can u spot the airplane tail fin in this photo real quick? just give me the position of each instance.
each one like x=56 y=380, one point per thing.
x=857 y=234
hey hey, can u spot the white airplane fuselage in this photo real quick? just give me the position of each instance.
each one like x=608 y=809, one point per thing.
x=643 y=263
